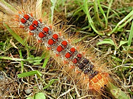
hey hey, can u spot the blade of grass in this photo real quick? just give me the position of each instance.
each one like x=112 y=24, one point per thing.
x=50 y=83
x=115 y=13
x=18 y=38
x=10 y=58
x=123 y=20
x=46 y=61
x=26 y=74
x=86 y=11
x=52 y=9
x=130 y=35
x=22 y=63
x=78 y=10
x=106 y=41
x=116 y=58
x=79 y=39
x=129 y=20
x=17 y=59
x=102 y=11
x=109 y=8
x=96 y=11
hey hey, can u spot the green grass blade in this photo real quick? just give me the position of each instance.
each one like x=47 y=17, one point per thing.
x=46 y=61
x=116 y=58
x=122 y=43
x=122 y=21
x=106 y=41
x=50 y=83
x=97 y=14
x=130 y=35
x=85 y=9
x=22 y=63
x=102 y=11
x=52 y=9
x=10 y=58
x=109 y=8
x=18 y=59
x=17 y=37
x=96 y=11
x=112 y=10
x=127 y=21
x=26 y=74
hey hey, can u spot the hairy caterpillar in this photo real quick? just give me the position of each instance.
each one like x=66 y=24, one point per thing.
x=61 y=47
x=87 y=74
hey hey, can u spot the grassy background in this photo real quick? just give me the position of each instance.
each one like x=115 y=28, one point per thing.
x=105 y=25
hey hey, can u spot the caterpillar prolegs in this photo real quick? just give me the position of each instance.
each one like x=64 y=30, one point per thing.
x=62 y=48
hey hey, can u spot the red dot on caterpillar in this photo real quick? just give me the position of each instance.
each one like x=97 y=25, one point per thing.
x=41 y=35
x=75 y=60
x=55 y=36
x=72 y=49
x=59 y=48
x=31 y=27
x=79 y=56
x=23 y=20
x=35 y=23
x=26 y=16
x=50 y=41
x=45 y=29
x=64 y=43
x=68 y=55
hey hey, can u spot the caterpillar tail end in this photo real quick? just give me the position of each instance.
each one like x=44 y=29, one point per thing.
x=99 y=81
